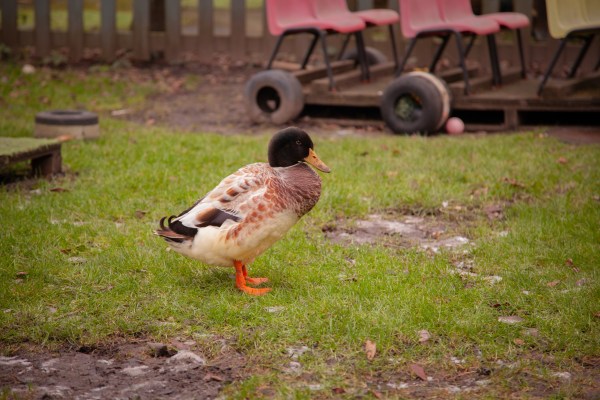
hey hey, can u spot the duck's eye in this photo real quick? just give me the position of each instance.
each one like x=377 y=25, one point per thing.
x=299 y=143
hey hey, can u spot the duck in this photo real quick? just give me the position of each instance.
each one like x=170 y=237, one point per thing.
x=251 y=209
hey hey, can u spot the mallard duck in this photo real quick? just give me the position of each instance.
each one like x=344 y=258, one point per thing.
x=250 y=209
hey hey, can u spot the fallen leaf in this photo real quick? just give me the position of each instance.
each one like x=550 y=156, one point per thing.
x=338 y=390
x=59 y=190
x=424 y=336
x=597 y=314
x=213 y=377
x=21 y=274
x=552 y=284
x=562 y=160
x=370 y=349
x=513 y=182
x=519 y=341
x=376 y=394
x=419 y=371
x=569 y=262
x=140 y=214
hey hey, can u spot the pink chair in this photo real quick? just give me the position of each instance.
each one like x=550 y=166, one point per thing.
x=373 y=17
x=459 y=10
x=292 y=17
x=424 y=18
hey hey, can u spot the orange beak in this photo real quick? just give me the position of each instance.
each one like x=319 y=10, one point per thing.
x=314 y=160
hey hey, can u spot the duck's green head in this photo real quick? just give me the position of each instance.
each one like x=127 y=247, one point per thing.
x=291 y=146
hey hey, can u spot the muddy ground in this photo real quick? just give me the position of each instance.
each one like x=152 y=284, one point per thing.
x=136 y=368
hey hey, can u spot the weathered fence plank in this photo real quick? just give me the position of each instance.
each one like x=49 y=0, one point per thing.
x=205 y=29
x=108 y=29
x=42 y=27
x=173 y=30
x=238 y=29
x=141 y=29
x=9 y=23
x=75 y=29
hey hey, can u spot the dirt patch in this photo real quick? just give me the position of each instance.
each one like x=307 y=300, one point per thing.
x=427 y=233
x=128 y=370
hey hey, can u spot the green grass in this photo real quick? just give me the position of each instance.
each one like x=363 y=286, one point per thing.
x=94 y=271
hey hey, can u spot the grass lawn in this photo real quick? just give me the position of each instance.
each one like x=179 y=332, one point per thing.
x=80 y=265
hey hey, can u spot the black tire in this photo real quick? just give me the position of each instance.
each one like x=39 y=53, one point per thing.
x=66 y=117
x=374 y=56
x=273 y=96
x=417 y=102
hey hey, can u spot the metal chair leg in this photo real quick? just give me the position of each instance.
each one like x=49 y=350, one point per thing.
x=493 y=49
x=521 y=53
x=560 y=49
x=584 y=49
x=362 y=56
x=322 y=36
x=344 y=45
x=275 y=50
x=409 y=50
x=461 y=57
x=438 y=53
x=470 y=45
x=310 y=50
x=393 y=43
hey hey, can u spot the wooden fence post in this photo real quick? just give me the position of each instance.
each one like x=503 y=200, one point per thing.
x=172 y=30
x=237 y=39
x=75 y=29
x=9 y=23
x=108 y=29
x=42 y=28
x=141 y=29
x=205 y=30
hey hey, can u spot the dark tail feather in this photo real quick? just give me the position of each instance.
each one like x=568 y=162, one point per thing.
x=174 y=231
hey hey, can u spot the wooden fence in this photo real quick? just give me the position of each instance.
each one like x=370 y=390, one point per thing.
x=247 y=36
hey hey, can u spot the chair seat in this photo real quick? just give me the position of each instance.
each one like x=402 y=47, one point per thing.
x=510 y=20
x=476 y=25
x=378 y=16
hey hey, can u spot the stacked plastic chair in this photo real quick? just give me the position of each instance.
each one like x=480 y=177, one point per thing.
x=286 y=18
x=456 y=11
x=575 y=19
x=373 y=17
x=424 y=18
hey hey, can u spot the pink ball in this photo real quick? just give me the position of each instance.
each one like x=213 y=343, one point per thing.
x=455 y=126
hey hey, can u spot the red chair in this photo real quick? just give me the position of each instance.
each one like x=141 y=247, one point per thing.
x=457 y=10
x=286 y=18
x=424 y=18
x=373 y=17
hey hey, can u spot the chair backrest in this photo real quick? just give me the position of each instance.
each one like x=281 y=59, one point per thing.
x=329 y=8
x=565 y=16
x=283 y=13
x=452 y=10
x=417 y=15
x=592 y=8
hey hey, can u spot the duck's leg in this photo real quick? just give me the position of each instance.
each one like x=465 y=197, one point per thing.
x=240 y=281
x=252 y=281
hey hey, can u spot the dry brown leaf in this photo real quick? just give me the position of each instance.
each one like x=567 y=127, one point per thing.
x=59 y=190
x=418 y=371
x=552 y=284
x=597 y=314
x=562 y=160
x=370 y=349
x=519 y=341
x=139 y=214
x=338 y=390
x=513 y=182
x=424 y=336
x=569 y=262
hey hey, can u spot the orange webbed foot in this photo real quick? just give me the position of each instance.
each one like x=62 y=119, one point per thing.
x=241 y=278
x=256 y=281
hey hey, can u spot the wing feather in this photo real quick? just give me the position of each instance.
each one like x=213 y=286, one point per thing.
x=231 y=200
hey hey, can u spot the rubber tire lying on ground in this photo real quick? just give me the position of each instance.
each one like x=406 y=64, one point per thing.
x=273 y=96
x=417 y=102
